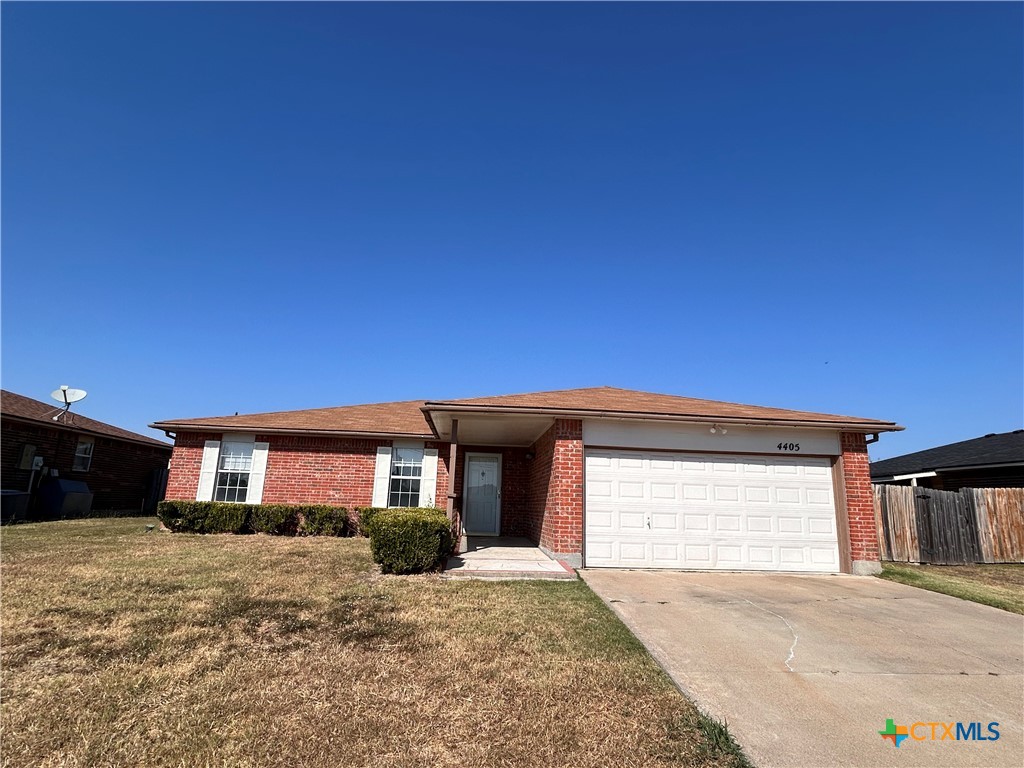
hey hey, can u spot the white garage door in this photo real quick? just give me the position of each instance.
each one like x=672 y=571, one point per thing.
x=707 y=511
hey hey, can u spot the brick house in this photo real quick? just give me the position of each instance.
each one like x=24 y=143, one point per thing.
x=601 y=477
x=118 y=466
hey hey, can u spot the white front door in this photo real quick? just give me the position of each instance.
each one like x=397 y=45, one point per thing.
x=649 y=509
x=481 y=509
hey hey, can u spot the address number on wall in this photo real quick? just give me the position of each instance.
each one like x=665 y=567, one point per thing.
x=788 y=447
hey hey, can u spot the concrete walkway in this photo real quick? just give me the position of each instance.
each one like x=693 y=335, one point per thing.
x=494 y=557
x=807 y=669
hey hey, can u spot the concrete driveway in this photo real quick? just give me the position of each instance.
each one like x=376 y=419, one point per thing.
x=807 y=669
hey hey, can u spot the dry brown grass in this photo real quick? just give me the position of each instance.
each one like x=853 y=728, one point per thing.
x=126 y=648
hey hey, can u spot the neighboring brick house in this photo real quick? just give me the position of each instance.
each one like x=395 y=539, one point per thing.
x=601 y=477
x=121 y=468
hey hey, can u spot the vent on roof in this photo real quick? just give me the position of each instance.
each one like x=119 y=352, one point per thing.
x=991 y=434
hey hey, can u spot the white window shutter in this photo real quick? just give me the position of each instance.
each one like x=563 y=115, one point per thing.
x=428 y=482
x=382 y=476
x=258 y=473
x=208 y=470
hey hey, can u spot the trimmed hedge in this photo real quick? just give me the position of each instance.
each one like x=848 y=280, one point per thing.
x=204 y=516
x=322 y=520
x=364 y=516
x=410 y=540
x=274 y=519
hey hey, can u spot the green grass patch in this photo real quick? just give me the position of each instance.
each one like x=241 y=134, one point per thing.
x=1000 y=586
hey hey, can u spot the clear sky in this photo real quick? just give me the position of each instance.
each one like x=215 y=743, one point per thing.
x=233 y=207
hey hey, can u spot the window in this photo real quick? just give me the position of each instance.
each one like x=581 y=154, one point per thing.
x=406 y=473
x=83 y=455
x=233 y=469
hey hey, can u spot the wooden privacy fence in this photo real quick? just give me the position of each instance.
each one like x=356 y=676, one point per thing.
x=975 y=525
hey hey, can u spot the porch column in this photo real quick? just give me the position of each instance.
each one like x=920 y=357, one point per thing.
x=453 y=515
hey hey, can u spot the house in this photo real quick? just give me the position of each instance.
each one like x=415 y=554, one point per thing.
x=992 y=461
x=601 y=477
x=123 y=470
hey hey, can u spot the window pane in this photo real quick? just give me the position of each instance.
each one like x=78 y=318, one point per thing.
x=231 y=486
x=406 y=471
x=236 y=456
x=409 y=455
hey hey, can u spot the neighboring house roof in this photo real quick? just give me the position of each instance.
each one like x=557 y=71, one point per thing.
x=23 y=408
x=1005 y=448
x=411 y=417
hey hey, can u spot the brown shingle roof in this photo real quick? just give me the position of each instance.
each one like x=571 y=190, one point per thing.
x=20 y=407
x=407 y=417
x=630 y=401
x=402 y=418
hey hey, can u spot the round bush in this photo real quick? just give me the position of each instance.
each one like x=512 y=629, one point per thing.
x=410 y=540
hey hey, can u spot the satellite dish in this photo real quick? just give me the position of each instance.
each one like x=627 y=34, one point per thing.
x=67 y=396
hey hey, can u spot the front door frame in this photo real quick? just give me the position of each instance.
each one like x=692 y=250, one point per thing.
x=465 y=492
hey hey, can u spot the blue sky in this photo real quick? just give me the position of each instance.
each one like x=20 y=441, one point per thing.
x=234 y=207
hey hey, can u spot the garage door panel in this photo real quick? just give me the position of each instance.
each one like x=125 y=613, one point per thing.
x=757 y=494
x=664 y=553
x=821 y=526
x=664 y=521
x=692 y=492
x=657 y=510
x=728 y=523
x=730 y=494
x=666 y=491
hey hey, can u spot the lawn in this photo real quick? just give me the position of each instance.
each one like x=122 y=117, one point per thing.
x=1001 y=586
x=126 y=648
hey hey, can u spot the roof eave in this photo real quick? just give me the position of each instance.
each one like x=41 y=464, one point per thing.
x=222 y=428
x=847 y=426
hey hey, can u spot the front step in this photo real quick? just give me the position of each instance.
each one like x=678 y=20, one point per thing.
x=551 y=570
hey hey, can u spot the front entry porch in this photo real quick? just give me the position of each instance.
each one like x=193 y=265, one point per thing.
x=514 y=475
x=504 y=557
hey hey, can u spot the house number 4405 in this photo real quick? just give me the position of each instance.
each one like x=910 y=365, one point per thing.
x=789 y=446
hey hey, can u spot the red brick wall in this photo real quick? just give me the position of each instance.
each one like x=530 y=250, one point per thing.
x=320 y=470
x=539 y=476
x=186 y=461
x=441 y=494
x=119 y=475
x=859 y=501
x=555 y=516
x=302 y=469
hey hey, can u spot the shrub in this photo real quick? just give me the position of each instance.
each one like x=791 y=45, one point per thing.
x=322 y=520
x=410 y=540
x=364 y=516
x=204 y=516
x=275 y=519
